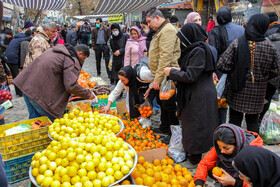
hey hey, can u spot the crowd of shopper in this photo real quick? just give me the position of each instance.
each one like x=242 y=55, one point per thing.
x=143 y=59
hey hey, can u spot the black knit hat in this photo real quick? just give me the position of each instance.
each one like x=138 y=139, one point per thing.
x=9 y=32
x=173 y=19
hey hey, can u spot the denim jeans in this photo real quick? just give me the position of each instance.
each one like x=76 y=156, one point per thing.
x=3 y=177
x=35 y=110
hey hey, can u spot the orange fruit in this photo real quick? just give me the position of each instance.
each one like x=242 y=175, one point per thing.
x=179 y=173
x=188 y=177
x=223 y=175
x=142 y=169
x=154 y=185
x=167 y=171
x=165 y=178
x=170 y=161
x=157 y=176
x=156 y=162
x=149 y=181
x=126 y=182
x=150 y=172
x=136 y=174
x=183 y=182
x=141 y=160
x=139 y=181
x=217 y=171
x=174 y=181
x=163 y=162
x=146 y=164
x=177 y=167
x=163 y=184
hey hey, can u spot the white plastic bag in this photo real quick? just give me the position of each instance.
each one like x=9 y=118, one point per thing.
x=176 y=150
x=145 y=74
x=221 y=86
x=146 y=122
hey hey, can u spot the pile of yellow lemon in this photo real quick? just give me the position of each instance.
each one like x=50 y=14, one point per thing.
x=86 y=161
x=80 y=123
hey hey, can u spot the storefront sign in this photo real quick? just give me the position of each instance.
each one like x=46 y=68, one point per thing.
x=7 y=14
x=115 y=18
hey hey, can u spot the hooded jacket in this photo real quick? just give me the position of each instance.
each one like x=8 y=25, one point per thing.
x=12 y=51
x=51 y=78
x=215 y=158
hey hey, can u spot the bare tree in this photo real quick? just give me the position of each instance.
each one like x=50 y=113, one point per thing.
x=86 y=7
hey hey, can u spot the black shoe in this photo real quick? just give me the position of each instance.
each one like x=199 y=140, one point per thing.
x=166 y=139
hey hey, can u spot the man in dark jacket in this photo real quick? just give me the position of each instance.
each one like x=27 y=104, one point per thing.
x=71 y=36
x=48 y=82
x=64 y=32
x=99 y=37
x=12 y=54
x=85 y=32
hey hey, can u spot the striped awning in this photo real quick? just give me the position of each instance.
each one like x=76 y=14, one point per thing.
x=125 y=6
x=38 y=4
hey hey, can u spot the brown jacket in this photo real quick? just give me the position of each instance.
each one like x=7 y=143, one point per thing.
x=164 y=50
x=94 y=34
x=51 y=78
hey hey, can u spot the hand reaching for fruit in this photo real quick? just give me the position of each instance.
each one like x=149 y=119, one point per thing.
x=224 y=178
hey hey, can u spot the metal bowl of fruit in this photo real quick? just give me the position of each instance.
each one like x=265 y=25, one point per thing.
x=34 y=180
x=120 y=123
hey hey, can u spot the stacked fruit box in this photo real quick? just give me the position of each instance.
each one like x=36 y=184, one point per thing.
x=17 y=149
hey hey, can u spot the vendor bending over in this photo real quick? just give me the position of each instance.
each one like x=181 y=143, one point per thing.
x=137 y=91
x=229 y=140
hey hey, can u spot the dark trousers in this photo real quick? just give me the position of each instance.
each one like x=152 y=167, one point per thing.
x=270 y=91
x=168 y=112
x=99 y=50
x=236 y=118
x=222 y=114
x=15 y=71
x=85 y=39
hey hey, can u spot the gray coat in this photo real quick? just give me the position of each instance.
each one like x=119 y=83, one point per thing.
x=71 y=37
x=275 y=40
x=199 y=114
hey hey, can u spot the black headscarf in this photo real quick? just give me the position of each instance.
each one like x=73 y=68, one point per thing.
x=255 y=30
x=116 y=26
x=224 y=15
x=260 y=165
x=133 y=91
x=191 y=36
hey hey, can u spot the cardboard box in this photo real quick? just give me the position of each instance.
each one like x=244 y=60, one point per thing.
x=121 y=107
x=151 y=155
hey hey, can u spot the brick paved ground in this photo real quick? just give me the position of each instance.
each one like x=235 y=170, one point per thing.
x=19 y=112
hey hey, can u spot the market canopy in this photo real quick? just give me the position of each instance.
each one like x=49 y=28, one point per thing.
x=125 y=6
x=38 y=4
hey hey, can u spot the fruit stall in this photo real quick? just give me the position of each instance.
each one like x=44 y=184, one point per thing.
x=89 y=148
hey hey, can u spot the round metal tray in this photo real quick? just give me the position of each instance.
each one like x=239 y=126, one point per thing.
x=120 y=124
x=135 y=160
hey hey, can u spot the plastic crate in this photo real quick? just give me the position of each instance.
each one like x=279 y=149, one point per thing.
x=103 y=102
x=17 y=169
x=24 y=143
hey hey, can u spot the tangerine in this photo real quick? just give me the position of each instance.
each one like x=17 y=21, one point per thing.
x=156 y=162
x=141 y=160
x=217 y=171
x=163 y=162
x=139 y=181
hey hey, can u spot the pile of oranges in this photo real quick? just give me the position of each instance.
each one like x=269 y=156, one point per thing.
x=146 y=111
x=166 y=95
x=84 y=80
x=161 y=173
x=141 y=139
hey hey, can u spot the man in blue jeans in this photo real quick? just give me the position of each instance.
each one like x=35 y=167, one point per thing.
x=3 y=177
x=50 y=79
